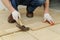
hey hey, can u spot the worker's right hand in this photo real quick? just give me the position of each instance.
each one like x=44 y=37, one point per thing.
x=16 y=15
x=48 y=18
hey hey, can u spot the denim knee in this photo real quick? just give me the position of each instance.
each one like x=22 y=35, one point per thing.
x=34 y=4
x=14 y=4
x=38 y=2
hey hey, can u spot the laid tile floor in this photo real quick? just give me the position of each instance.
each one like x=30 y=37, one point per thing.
x=39 y=30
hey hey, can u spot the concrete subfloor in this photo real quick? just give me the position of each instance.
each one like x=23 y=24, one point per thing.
x=39 y=30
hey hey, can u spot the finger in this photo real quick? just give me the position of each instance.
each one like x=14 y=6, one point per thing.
x=50 y=22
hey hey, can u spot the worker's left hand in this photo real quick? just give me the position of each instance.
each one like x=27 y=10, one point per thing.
x=48 y=18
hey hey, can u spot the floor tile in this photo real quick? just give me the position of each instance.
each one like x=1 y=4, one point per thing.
x=57 y=38
x=44 y=34
x=55 y=28
x=34 y=23
x=6 y=27
x=19 y=36
x=1 y=38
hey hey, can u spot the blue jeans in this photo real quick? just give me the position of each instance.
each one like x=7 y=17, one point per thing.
x=31 y=4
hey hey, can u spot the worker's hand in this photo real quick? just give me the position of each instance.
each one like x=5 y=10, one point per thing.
x=16 y=15
x=48 y=18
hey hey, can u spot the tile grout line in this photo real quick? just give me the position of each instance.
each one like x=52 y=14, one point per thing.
x=19 y=30
x=10 y=33
x=46 y=26
x=33 y=36
x=54 y=32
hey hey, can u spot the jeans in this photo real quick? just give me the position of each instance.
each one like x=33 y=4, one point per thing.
x=31 y=4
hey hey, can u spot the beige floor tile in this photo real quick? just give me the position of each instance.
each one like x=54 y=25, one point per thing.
x=19 y=36
x=44 y=34
x=55 y=28
x=57 y=38
x=4 y=21
x=1 y=38
x=6 y=27
x=34 y=23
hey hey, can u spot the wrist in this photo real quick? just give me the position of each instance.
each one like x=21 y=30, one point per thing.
x=46 y=14
x=14 y=12
x=46 y=11
x=11 y=10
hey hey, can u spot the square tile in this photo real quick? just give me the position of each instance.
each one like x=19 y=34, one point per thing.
x=19 y=36
x=1 y=38
x=34 y=23
x=55 y=28
x=44 y=34
x=6 y=27
x=57 y=38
